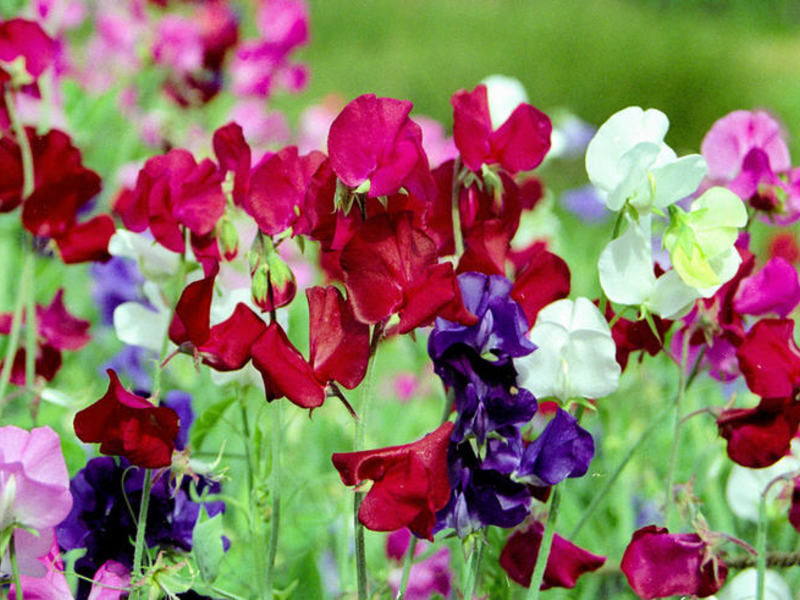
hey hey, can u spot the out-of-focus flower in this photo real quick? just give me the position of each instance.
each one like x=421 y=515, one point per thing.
x=743 y=586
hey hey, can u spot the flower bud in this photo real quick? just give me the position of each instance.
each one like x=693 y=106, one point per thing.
x=273 y=284
x=228 y=239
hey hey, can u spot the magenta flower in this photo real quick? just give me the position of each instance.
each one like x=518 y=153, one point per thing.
x=178 y=44
x=429 y=576
x=373 y=139
x=659 y=564
x=519 y=144
x=20 y=38
x=773 y=289
x=34 y=493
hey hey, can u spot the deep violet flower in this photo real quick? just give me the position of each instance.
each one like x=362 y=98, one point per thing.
x=115 y=282
x=101 y=522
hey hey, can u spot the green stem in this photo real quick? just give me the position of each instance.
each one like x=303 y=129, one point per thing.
x=18 y=591
x=544 y=547
x=275 y=493
x=31 y=330
x=455 y=212
x=473 y=569
x=141 y=524
x=676 y=428
x=16 y=326
x=28 y=182
x=761 y=546
x=409 y=560
x=255 y=527
x=360 y=435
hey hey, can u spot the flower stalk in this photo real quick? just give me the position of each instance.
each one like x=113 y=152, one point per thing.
x=544 y=548
x=473 y=569
x=409 y=560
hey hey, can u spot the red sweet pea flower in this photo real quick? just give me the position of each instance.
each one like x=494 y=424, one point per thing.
x=761 y=436
x=227 y=345
x=390 y=266
x=770 y=360
x=286 y=373
x=565 y=563
x=632 y=336
x=25 y=39
x=128 y=425
x=278 y=187
x=410 y=484
x=57 y=330
x=173 y=190
x=88 y=241
x=339 y=348
x=233 y=154
x=545 y=280
x=519 y=144
x=373 y=139
x=659 y=564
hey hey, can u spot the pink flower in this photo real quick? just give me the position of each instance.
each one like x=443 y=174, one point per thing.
x=178 y=44
x=773 y=289
x=34 y=492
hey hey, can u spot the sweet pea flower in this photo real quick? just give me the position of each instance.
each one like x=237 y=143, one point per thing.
x=34 y=494
x=745 y=486
x=659 y=564
x=575 y=355
x=701 y=243
x=504 y=94
x=773 y=289
x=410 y=484
x=429 y=576
x=628 y=160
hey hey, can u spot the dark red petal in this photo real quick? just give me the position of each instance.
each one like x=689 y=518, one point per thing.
x=50 y=210
x=435 y=294
x=88 y=241
x=485 y=249
x=201 y=202
x=285 y=371
x=659 y=564
x=233 y=154
x=339 y=343
x=229 y=342
x=127 y=425
x=759 y=437
x=794 y=510
x=46 y=365
x=545 y=280
x=521 y=143
x=565 y=564
x=61 y=329
x=472 y=126
x=191 y=322
x=769 y=359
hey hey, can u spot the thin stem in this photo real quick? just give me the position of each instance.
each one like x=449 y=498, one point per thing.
x=18 y=591
x=544 y=547
x=360 y=434
x=761 y=546
x=473 y=569
x=600 y=496
x=676 y=428
x=22 y=141
x=409 y=560
x=16 y=326
x=458 y=237
x=258 y=554
x=141 y=524
x=275 y=493
x=30 y=328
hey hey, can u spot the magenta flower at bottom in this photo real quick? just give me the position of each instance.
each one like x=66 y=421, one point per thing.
x=659 y=564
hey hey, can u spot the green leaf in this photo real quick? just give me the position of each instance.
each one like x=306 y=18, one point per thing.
x=207 y=545
x=208 y=420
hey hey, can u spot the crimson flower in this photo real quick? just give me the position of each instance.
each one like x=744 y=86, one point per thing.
x=759 y=437
x=519 y=144
x=565 y=563
x=390 y=267
x=410 y=484
x=339 y=352
x=659 y=564
x=770 y=360
x=128 y=425
x=545 y=279
x=174 y=191
x=373 y=139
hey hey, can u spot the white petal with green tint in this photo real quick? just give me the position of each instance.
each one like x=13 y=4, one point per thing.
x=626 y=266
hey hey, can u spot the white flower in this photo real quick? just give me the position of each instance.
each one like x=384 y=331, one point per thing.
x=575 y=355
x=743 y=587
x=626 y=275
x=628 y=160
x=138 y=325
x=745 y=486
x=155 y=262
x=504 y=94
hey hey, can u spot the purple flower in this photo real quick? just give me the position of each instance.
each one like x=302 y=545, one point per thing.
x=485 y=407
x=480 y=496
x=181 y=403
x=115 y=282
x=501 y=327
x=564 y=449
x=101 y=522
x=586 y=203
x=131 y=362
